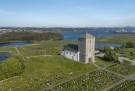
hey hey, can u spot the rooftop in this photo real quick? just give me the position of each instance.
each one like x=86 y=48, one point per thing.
x=71 y=47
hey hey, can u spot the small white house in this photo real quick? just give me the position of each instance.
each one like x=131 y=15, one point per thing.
x=70 y=51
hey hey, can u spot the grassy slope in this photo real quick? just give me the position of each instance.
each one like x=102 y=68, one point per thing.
x=52 y=68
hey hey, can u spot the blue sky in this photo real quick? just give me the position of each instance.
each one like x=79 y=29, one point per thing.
x=67 y=13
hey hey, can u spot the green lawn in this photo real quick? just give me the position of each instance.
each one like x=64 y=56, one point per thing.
x=102 y=63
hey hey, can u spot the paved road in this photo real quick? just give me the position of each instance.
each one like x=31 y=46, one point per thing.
x=124 y=58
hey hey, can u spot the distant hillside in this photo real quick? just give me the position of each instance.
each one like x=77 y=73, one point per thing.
x=30 y=36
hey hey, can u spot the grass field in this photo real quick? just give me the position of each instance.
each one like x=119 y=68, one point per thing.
x=42 y=48
x=8 y=48
x=103 y=63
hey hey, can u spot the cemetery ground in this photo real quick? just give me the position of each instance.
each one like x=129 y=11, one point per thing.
x=125 y=86
x=127 y=52
x=45 y=69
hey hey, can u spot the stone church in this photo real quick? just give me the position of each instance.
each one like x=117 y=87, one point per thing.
x=83 y=52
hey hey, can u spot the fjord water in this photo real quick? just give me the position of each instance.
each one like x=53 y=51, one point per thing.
x=18 y=43
x=73 y=35
x=4 y=55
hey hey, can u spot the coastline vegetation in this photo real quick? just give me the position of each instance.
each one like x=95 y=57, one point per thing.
x=116 y=39
x=29 y=36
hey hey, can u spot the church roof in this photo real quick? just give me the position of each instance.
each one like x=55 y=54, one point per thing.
x=86 y=36
x=71 y=47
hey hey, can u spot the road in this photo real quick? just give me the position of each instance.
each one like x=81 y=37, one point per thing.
x=124 y=58
x=17 y=51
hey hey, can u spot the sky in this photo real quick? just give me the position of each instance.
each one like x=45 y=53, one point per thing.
x=67 y=13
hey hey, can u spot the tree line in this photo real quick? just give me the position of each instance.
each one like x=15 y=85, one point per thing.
x=30 y=36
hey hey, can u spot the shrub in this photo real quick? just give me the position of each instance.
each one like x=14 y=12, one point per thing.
x=13 y=66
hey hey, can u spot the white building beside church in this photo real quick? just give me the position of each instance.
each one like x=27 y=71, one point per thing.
x=83 y=52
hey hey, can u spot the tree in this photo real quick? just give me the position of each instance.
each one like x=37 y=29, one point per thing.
x=111 y=56
x=107 y=49
x=128 y=45
x=116 y=49
x=131 y=53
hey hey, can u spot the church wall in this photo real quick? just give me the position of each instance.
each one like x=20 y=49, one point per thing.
x=81 y=49
x=90 y=50
x=86 y=47
x=70 y=55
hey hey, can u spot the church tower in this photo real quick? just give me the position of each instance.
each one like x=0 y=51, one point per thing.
x=86 y=48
